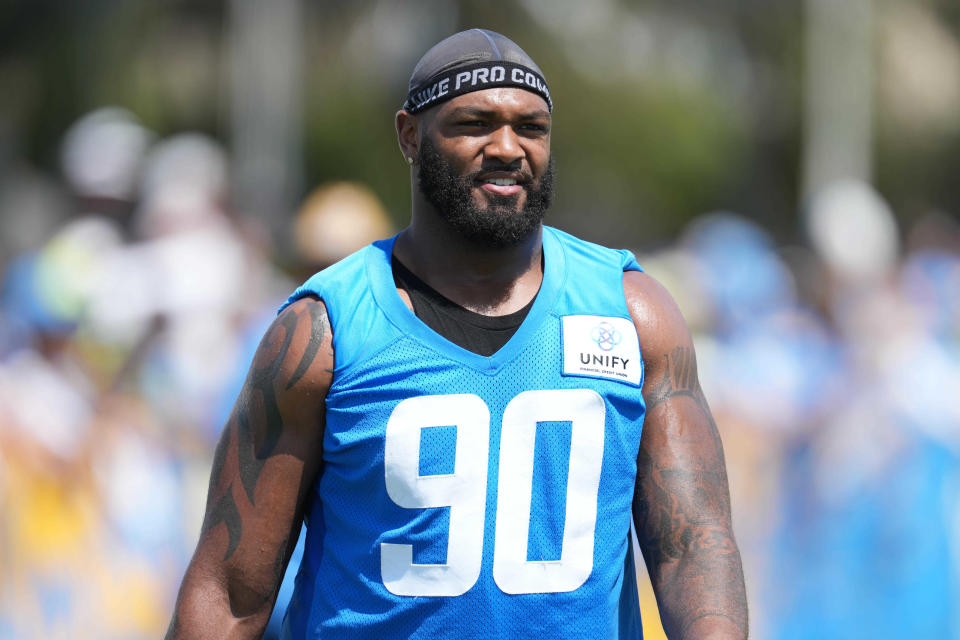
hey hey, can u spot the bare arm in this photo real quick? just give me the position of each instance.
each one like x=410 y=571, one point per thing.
x=268 y=457
x=682 y=503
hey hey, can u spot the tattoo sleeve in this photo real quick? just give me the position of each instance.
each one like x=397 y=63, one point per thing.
x=267 y=458
x=682 y=507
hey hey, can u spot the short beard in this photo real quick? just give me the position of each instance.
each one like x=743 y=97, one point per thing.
x=498 y=226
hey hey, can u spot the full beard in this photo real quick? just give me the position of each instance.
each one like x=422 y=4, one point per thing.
x=499 y=225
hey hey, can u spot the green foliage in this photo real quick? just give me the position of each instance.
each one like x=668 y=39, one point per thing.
x=350 y=136
x=637 y=155
x=645 y=159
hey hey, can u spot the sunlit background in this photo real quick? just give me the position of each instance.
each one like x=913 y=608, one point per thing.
x=170 y=171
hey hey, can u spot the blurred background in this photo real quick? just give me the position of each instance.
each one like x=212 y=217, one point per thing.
x=170 y=171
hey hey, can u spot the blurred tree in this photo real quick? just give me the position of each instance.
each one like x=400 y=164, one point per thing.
x=664 y=109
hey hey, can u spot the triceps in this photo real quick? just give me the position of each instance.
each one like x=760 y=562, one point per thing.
x=249 y=551
x=221 y=504
x=271 y=418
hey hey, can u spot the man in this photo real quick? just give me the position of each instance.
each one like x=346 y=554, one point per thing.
x=467 y=414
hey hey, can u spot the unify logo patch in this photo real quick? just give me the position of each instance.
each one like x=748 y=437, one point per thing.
x=601 y=347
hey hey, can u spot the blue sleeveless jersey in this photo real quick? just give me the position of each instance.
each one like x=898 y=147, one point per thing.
x=465 y=496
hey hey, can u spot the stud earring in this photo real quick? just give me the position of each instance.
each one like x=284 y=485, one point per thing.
x=409 y=159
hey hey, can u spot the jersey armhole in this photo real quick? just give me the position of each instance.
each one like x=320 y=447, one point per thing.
x=628 y=261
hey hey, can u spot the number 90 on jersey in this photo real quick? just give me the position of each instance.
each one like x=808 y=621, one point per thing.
x=465 y=491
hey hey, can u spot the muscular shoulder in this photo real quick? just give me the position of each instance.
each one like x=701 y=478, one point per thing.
x=656 y=316
x=294 y=362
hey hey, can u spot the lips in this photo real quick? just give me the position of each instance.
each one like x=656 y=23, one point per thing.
x=502 y=183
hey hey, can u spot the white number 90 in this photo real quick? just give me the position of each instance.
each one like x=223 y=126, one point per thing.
x=465 y=491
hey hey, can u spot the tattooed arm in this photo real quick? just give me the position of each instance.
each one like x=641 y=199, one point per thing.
x=268 y=457
x=681 y=503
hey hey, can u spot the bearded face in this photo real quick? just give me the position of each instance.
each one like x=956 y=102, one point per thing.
x=487 y=220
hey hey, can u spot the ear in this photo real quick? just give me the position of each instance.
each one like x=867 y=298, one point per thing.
x=408 y=135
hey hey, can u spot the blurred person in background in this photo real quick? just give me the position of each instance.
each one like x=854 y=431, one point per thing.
x=65 y=554
x=465 y=306
x=870 y=488
x=131 y=302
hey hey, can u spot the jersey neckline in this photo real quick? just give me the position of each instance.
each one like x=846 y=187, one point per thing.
x=393 y=306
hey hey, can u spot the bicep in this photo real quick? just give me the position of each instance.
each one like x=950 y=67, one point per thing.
x=681 y=501
x=268 y=456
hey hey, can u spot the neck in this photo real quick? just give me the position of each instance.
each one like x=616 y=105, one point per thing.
x=481 y=279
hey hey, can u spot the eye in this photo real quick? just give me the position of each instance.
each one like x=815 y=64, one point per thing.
x=533 y=128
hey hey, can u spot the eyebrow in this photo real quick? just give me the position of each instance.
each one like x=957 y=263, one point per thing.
x=489 y=114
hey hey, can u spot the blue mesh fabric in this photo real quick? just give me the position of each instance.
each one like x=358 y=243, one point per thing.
x=548 y=504
x=387 y=358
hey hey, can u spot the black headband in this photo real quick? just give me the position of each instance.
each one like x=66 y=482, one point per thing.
x=472 y=60
x=475 y=77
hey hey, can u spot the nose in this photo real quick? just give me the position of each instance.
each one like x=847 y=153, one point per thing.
x=504 y=145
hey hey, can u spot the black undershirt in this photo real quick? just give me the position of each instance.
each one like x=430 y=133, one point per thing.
x=483 y=335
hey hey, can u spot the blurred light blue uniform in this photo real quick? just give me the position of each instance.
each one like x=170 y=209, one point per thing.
x=877 y=565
